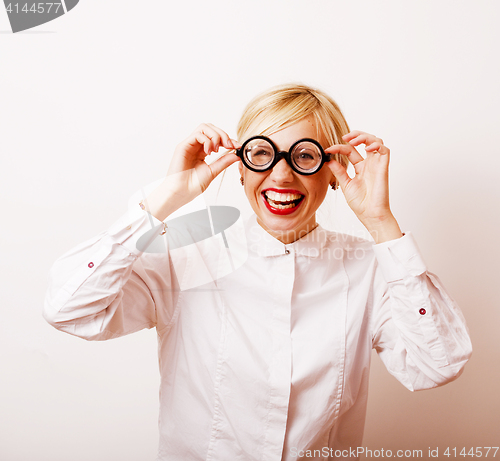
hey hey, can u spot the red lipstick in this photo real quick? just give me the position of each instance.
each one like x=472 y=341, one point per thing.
x=282 y=211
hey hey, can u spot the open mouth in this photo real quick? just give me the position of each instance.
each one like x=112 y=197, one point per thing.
x=282 y=202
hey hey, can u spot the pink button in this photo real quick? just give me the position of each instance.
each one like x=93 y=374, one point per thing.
x=422 y=311
x=91 y=265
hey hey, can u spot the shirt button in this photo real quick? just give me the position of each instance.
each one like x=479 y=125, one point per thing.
x=91 y=265
x=422 y=311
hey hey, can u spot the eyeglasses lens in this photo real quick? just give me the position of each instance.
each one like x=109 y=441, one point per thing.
x=306 y=156
x=259 y=153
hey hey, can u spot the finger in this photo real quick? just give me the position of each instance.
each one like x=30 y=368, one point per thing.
x=365 y=139
x=194 y=141
x=346 y=149
x=222 y=163
x=377 y=147
x=340 y=173
x=360 y=137
x=214 y=136
x=223 y=136
x=205 y=141
x=351 y=135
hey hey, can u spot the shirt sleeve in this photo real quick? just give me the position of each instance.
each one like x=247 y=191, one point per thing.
x=419 y=331
x=103 y=288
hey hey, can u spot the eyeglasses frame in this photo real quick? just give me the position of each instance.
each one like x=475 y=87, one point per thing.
x=278 y=155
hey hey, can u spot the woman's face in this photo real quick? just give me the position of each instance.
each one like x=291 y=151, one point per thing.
x=285 y=202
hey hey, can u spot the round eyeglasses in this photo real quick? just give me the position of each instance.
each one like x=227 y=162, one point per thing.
x=306 y=156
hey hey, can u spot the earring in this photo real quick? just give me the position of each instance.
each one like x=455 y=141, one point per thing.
x=242 y=180
x=333 y=185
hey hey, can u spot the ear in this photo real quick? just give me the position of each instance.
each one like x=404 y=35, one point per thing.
x=333 y=179
x=240 y=168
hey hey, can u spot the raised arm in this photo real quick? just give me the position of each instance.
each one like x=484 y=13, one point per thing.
x=105 y=287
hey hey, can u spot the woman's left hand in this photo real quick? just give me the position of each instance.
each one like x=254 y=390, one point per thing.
x=367 y=193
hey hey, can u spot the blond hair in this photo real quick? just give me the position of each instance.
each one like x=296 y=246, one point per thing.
x=285 y=105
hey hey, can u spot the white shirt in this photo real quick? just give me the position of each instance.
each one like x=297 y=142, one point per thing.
x=271 y=357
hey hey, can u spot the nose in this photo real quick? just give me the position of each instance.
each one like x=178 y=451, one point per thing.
x=282 y=172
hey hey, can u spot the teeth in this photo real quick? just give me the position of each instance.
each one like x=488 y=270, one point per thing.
x=279 y=200
x=281 y=207
x=278 y=197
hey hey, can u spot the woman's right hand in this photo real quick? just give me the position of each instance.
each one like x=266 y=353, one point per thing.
x=190 y=156
x=189 y=175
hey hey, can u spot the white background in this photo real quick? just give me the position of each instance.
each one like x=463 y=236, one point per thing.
x=91 y=108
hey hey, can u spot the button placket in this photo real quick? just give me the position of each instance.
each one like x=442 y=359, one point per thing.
x=281 y=364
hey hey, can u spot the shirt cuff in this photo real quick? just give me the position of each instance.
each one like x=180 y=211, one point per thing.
x=136 y=230
x=399 y=258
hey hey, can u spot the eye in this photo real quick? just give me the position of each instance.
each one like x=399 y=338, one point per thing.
x=258 y=152
x=305 y=156
x=261 y=152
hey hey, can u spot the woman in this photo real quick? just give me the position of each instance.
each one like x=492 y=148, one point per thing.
x=270 y=361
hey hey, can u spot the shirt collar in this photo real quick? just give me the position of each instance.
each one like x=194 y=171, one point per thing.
x=261 y=243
